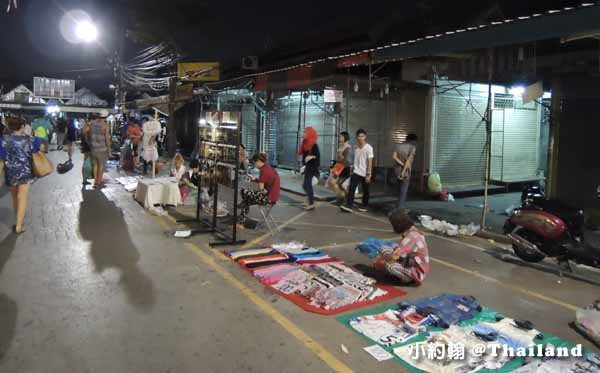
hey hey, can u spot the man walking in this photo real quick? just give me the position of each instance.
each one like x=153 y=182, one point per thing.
x=404 y=156
x=363 y=170
x=99 y=141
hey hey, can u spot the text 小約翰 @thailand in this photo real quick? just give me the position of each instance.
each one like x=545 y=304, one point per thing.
x=458 y=351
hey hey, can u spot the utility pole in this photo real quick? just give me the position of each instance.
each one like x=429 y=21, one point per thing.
x=488 y=142
x=172 y=126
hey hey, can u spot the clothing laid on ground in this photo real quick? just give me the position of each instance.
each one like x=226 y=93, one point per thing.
x=454 y=335
x=408 y=261
x=270 y=178
x=361 y=159
x=250 y=198
x=390 y=327
x=448 y=309
x=507 y=332
x=324 y=282
x=17 y=153
x=372 y=246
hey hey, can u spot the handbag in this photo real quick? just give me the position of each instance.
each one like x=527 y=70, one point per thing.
x=337 y=169
x=41 y=165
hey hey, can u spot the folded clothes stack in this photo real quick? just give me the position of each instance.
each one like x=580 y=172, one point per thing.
x=323 y=281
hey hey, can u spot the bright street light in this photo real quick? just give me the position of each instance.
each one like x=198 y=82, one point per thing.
x=86 y=31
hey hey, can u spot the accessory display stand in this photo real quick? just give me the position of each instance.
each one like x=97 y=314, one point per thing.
x=220 y=134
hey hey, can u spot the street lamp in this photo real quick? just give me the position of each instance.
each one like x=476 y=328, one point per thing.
x=86 y=31
x=77 y=27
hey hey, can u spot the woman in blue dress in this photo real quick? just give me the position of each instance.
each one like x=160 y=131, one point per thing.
x=16 y=150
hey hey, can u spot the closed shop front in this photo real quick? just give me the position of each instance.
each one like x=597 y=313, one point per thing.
x=292 y=115
x=459 y=136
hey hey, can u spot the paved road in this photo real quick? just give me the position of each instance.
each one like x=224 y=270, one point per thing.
x=96 y=285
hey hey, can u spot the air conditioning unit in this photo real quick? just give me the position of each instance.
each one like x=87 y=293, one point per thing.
x=250 y=63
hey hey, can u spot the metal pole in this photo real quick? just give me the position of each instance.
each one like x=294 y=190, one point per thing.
x=172 y=126
x=488 y=143
x=299 y=126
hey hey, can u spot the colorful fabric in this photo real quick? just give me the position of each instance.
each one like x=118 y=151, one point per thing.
x=448 y=309
x=16 y=151
x=372 y=246
x=241 y=253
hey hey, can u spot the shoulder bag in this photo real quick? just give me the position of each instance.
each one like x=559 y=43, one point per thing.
x=41 y=166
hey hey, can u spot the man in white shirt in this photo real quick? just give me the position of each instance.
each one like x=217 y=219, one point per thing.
x=363 y=168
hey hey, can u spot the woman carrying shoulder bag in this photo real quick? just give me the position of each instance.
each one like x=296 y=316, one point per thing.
x=16 y=150
x=311 y=159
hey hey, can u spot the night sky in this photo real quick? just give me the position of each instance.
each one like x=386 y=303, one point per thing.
x=31 y=43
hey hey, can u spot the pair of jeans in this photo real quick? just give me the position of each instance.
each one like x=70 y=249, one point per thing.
x=308 y=187
x=403 y=191
x=354 y=181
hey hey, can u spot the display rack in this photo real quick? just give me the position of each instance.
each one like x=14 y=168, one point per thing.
x=219 y=157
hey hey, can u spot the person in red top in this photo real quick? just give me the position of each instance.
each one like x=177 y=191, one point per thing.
x=409 y=261
x=269 y=187
x=134 y=132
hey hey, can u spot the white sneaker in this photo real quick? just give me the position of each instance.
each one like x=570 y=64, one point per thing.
x=345 y=208
x=362 y=209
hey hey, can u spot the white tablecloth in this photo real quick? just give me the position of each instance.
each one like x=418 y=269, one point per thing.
x=159 y=191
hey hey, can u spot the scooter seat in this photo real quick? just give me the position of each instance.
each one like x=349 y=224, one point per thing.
x=572 y=216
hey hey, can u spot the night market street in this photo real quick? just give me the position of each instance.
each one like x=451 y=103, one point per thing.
x=96 y=285
x=270 y=187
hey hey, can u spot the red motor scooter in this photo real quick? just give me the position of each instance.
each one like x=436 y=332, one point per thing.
x=543 y=228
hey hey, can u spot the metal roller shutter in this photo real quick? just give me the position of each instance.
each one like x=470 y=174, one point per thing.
x=317 y=116
x=249 y=117
x=459 y=137
x=515 y=143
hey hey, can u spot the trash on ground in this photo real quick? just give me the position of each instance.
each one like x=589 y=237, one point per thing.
x=183 y=234
x=345 y=349
x=442 y=226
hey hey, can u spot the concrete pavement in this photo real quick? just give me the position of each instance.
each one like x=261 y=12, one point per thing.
x=97 y=285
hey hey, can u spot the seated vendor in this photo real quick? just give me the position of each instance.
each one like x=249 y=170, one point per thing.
x=268 y=188
x=410 y=260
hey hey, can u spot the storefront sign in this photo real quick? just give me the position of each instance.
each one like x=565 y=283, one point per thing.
x=332 y=95
x=199 y=71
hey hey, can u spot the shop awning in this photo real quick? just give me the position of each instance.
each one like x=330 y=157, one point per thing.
x=557 y=24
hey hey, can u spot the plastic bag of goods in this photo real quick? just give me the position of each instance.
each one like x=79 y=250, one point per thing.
x=434 y=184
